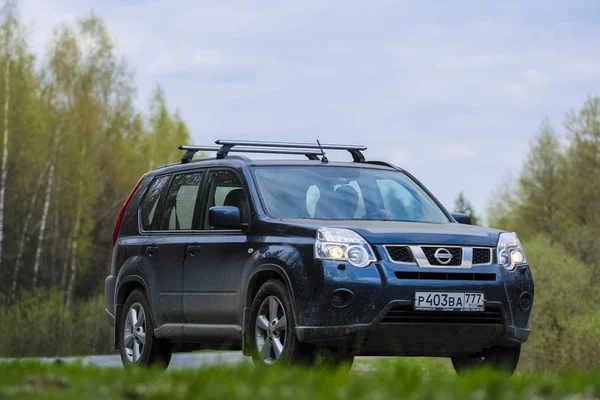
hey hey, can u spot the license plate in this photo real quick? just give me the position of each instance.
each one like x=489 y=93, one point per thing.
x=449 y=301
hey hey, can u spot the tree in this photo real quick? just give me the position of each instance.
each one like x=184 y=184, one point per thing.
x=464 y=206
x=581 y=203
x=554 y=206
x=8 y=27
x=540 y=185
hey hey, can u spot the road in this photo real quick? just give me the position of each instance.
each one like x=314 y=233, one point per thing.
x=179 y=361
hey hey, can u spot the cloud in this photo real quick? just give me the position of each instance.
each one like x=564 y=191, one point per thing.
x=206 y=57
x=442 y=89
x=455 y=151
x=164 y=63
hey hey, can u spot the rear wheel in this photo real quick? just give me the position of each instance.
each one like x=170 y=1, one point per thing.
x=501 y=358
x=137 y=343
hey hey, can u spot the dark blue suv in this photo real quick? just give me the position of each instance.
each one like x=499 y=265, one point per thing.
x=309 y=261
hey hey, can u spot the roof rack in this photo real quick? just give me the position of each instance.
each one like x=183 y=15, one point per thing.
x=310 y=150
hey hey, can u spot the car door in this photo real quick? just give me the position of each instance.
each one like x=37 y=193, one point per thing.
x=174 y=239
x=212 y=277
x=162 y=281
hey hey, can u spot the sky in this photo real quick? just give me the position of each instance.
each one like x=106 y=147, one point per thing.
x=452 y=91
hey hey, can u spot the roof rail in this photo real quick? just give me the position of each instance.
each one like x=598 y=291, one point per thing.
x=310 y=150
x=385 y=164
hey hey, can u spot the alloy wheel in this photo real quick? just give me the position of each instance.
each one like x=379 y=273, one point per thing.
x=270 y=332
x=134 y=335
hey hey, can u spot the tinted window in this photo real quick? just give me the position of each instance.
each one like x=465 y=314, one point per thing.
x=151 y=201
x=399 y=201
x=314 y=194
x=226 y=190
x=180 y=204
x=342 y=193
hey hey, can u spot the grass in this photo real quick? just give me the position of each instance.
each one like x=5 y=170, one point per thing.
x=370 y=379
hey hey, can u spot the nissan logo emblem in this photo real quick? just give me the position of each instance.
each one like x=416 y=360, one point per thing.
x=443 y=256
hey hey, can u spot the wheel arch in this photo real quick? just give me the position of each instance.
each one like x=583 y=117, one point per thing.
x=124 y=289
x=259 y=276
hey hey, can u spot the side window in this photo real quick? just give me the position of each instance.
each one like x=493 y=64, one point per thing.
x=399 y=201
x=226 y=190
x=151 y=201
x=180 y=204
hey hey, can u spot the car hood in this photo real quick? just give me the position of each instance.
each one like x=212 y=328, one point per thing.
x=396 y=232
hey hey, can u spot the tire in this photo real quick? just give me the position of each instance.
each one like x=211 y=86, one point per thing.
x=137 y=344
x=501 y=358
x=332 y=357
x=272 y=329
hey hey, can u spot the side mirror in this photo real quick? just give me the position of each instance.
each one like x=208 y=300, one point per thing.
x=462 y=218
x=225 y=217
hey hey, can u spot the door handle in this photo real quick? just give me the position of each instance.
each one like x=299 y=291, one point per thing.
x=193 y=249
x=151 y=250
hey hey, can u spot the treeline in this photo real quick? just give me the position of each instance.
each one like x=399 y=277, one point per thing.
x=554 y=206
x=73 y=145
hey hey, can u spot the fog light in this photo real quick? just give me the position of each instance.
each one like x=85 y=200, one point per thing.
x=341 y=298
x=337 y=300
x=525 y=301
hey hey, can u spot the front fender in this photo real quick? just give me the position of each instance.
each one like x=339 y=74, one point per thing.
x=290 y=263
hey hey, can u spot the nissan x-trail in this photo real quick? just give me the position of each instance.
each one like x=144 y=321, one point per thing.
x=309 y=261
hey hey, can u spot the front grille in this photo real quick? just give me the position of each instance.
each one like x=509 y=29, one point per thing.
x=443 y=276
x=456 y=252
x=482 y=256
x=400 y=254
x=406 y=315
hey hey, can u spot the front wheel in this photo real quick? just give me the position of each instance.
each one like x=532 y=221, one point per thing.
x=500 y=358
x=272 y=331
x=334 y=358
x=137 y=344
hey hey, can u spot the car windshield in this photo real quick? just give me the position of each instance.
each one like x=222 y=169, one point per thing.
x=344 y=193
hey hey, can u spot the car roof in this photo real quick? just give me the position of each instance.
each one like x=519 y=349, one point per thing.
x=317 y=163
x=237 y=161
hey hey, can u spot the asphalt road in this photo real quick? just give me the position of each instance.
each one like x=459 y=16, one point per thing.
x=179 y=361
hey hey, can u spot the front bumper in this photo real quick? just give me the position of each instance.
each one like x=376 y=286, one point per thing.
x=380 y=320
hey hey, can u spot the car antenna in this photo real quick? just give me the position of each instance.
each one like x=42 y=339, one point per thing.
x=324 y=159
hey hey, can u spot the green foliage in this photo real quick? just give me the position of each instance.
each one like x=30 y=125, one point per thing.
x=554 y=206
x=77 y=145
x=464 y=206
x=563 y=296
x=41 y=325
x=402 y=380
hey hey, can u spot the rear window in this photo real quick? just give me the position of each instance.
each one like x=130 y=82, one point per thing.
x=344 y=193
x=148 y=208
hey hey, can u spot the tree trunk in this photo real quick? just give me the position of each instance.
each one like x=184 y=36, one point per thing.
x=55 y=239
x=38 y=252
x=3 y=167
x=65 y=271
x=75 y=238
x=73 y=262
x=23 y=236
x=152 y=151
x=44 y=220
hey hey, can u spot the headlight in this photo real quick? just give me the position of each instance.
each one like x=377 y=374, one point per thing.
x=510 y=251
x=343 y=245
